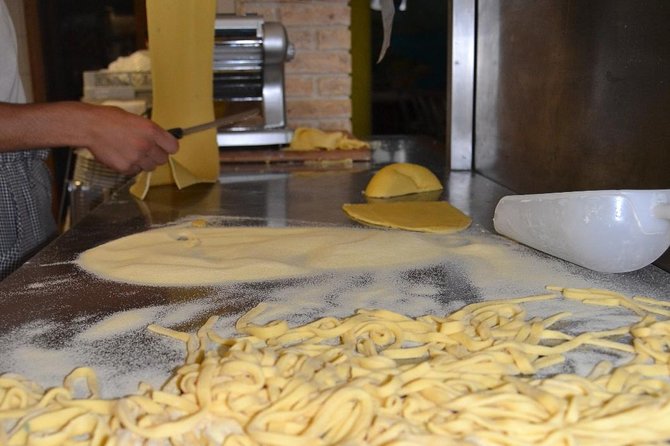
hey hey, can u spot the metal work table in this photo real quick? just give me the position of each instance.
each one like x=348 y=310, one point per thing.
x=48 y=306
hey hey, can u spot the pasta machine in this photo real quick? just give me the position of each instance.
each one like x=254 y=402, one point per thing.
x=249 y=57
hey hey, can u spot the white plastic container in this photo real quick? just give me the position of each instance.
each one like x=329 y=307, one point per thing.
x=610 y=231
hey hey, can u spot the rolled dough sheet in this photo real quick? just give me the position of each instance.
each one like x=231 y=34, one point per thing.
x=422 y=216
x=190 y=255
x=306 y=139
x=181 y=70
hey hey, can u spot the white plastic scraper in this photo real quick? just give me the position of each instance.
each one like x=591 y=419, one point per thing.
x=611 y=231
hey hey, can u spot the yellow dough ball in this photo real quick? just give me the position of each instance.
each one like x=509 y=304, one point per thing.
x=402 y=179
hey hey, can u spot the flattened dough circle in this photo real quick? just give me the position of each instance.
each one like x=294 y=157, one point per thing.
x=423 y=216
x=191 y=256
x=402 y=179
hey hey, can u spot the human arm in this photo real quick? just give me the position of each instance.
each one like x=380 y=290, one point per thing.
x=121 y=140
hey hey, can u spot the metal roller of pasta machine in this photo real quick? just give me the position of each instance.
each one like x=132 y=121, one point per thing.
x=249 y=57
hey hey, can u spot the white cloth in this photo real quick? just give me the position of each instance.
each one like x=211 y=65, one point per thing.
x=11 y=88
x=26 y=222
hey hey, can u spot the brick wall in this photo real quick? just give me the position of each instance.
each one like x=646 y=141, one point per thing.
x=318 y=79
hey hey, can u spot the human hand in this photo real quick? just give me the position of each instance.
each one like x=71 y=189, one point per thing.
x=121 y=140
x=126 y=142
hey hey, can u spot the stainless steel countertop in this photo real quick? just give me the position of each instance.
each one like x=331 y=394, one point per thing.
x=48 y=303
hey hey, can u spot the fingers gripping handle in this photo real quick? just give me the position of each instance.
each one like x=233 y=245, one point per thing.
x=177 y=132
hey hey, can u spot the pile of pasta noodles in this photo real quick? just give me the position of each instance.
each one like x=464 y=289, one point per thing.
x=378 y=378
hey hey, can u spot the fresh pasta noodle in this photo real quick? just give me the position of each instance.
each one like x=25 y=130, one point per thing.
x=377 y=378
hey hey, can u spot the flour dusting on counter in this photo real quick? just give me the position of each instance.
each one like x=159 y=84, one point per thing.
x=475 y=266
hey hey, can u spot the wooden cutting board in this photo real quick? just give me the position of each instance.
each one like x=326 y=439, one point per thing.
x=291 y=156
